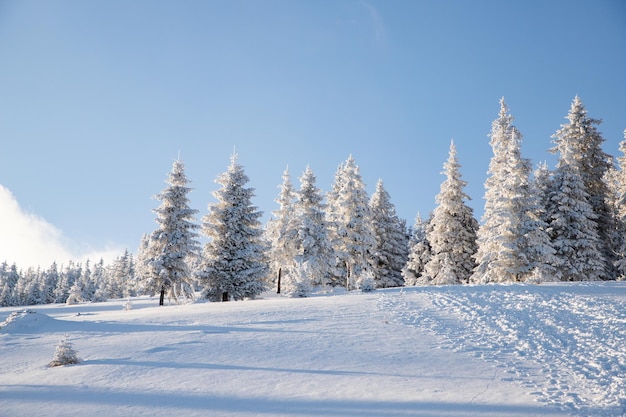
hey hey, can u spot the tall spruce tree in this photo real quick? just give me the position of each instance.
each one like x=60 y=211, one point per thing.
x=452 y=232
x=419 y=253
x=234 y=261
x=511 y=229
x=279 y=233
x=314 y=254
x=173 y=245
x=350 y=223
x=391 y=250
x=618 y=183
x=580 y=138
x=573 y=227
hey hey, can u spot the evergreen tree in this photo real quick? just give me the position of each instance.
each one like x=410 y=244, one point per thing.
x=511 y=227
x=583 y=142
x=618 y=183
x=173 y=244
x=350 y=224
x=452 y=232
x=313 y=253
x=234 y=262
x=573 y=227
x=419 y=253
x=391 y=251
x=279 y=232
x=8 y=285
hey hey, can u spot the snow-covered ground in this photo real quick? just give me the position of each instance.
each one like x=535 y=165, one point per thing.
x=495 y=350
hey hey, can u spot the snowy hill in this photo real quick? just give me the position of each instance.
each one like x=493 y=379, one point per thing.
x=507 y=350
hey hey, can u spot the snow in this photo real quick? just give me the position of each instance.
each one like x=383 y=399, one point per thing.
x=489 y=350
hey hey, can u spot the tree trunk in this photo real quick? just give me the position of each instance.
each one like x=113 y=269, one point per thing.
x=280 y=270
x=224 y=296
x=162 y=299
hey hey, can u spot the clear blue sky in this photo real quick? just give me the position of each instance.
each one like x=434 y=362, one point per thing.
x=97 y=98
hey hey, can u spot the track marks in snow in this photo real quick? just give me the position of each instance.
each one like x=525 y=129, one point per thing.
x=568 y=349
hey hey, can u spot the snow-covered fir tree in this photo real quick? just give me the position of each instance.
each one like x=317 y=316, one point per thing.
x=298 y=282
x=350 y=222
x=234 y=261
x=173 y=245
x=8 y=284
x=618 y=186
x=64 y=354
x=391 y=251
x=511 y=227
x=419 y=253
x=312 y=246
x=452 y=231
x=573 y=227
x=581 y=139
x=280 y=234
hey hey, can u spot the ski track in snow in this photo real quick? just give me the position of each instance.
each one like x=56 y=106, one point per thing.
x=567 y=347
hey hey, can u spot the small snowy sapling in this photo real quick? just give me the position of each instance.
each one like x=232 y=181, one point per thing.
x=64 y=354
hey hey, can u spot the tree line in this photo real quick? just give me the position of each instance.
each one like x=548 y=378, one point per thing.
x=565 y=224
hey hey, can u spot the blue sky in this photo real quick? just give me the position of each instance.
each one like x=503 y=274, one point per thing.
x=99 y=97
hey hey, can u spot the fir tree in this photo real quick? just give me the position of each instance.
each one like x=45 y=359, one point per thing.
x=618 y=182
x=452 y=232
x=573 y=227
x=311 y=242
x=279 y=232
x=350 y=223
x=391 y=250
x=419 y=253
x=64 y=354
x=511 y=229
x=234 y=262
x=581 y=140
x=173 y=245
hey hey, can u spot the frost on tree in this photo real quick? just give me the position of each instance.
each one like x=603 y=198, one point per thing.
x=280 y=234
x=580 y=139
x=234 y=260
x=619 y=208
x=64 y=354
x=168 y=252
x=452 y=231
x=391 y=250
x=573 y=227
x=419 y=254
x=512 y=241
x=350 y=222
x=311 y=243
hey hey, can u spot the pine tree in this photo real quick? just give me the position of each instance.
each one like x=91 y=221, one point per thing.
x=350 y=223
x=452 y=232
x=511 y=228
x=8 y=285
x=234 y=262
x=173 y=245
x=583 y=142
x=573 y=227
x=279 y=232
x=391 y=251
x=312 y=247
x=419 y=253
x=618 y=183
x=64 y=354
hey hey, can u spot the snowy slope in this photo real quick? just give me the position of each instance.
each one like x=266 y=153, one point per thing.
x=508 y=350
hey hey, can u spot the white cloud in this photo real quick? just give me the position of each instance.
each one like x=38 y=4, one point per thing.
x=377 y=21
x=29 y=240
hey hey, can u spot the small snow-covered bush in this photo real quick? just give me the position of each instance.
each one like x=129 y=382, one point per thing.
x=366 y=282
x=64 y=354
x=128 y=305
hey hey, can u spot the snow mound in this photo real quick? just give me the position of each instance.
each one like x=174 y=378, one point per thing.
x=25 y=321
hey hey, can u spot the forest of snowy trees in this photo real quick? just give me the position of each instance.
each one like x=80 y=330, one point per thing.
x=565 y=224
